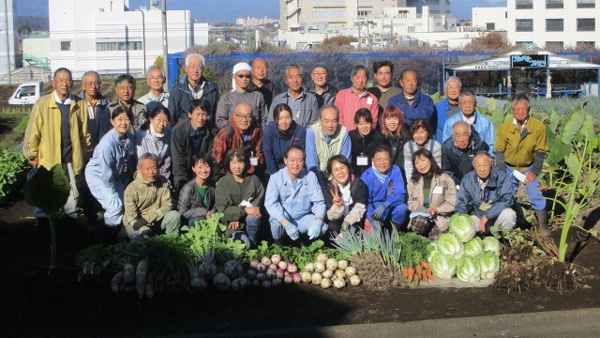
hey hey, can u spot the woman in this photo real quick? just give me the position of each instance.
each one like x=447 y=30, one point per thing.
x=280 y=134
x=110 y=169
x=364 y=141
x=420 y=137
x=197 y=198
x=394 y=134
x=431 y=195
x=154 y=137
x=345 y=196
x=239 y=196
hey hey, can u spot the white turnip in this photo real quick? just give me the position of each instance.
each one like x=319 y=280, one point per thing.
x=327 y=274
x=266 y=284
x=233 y=269
x=261 y=267
x=354 y=280
x=339 y=283
x=306 y=277
x=350 y=271
x=270 y=274
x=288 y=279
x=297 y=278
x=251 y=274
x=254 y=263
x=293 y=268
x=322 y=258
x=237 y=284
x=316 y=278
x=149 y=291
x=342 y=264
x=208 y=270
x=276 y=282
x=310 y=267
x=283 y=265
x=319 y=267
x=276 y=258
x=266 y=261
x=279 y=273
x=273 y=267
x=128 y=273
x=256 y=283
x=198 y=283
x=141 y=271
x=245 y=282
x=221 y=282
x=116 y=281
x=326 y=283
x=340 y=274
x=331 y=264
x=261 y=276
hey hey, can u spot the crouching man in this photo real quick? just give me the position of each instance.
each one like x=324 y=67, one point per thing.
x=486 y=194
x=148 y=204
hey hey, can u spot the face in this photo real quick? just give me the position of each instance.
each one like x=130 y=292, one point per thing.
x=319 y=76
x=125 y=91
x=329 y=121
x=198 y=118
x=384 y=76
x=423 y=165
x=409 y=82
x=243 y=117
x=293 y=79
x=340 y=172
x=149 y=170
x=359 y=80
x=121 y=123
x=62 y=83
x=91 y=84
x=284 y=121
x=420 y=136
x=482 y=166
x=382 y=161
x=364 y=127
x=392 y=124
x=236 y=166
x=194 y=69
x=453 y=90
x=155 y=79
x=160 y=122
x=294 y=161
x=521 y=110
x=461 y=137
x=242 y=79
x=467 y=105
x=201 y=169
x=260 y=69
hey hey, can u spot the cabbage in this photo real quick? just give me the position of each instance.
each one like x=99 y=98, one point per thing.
x=490 y=264
x=462 y=226
x=474 y=248
x=449 y=244
x=469 y=270
x=491 y=244
x=443 y=266
x=432 y=254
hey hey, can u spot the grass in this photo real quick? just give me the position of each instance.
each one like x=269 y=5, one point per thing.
x=13 y=122
x=564 y=105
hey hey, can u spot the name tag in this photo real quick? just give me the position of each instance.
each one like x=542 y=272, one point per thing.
x=519 y=176
x=297 y=113
x=484 y=206
x=438 y=190
x=254 y=160
x=362 y=160
x=370 y=100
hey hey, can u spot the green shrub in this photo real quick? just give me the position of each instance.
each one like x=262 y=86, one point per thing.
x=13 y=170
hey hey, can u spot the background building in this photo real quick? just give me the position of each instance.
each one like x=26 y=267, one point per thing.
x=8 y=39
x=248 y=21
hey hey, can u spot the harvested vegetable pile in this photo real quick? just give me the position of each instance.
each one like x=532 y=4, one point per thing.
x=327 y=271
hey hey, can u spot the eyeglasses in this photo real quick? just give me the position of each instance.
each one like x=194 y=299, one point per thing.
x=244 y=117
x=92 y=83
x=165 y=122
x=241 y=76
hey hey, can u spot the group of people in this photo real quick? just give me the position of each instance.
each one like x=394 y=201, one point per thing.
x=307 y=162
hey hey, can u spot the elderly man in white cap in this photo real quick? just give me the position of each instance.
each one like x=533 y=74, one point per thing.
x=241 y=78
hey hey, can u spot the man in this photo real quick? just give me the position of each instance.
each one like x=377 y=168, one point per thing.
x=57 y=133
x=157 y=95
x=241 y=75
x=521 y=147
x=350 y=100
x=487 y=195
x=193 y=86
x=458 y=152
x=125 y=90
x=324 y=93
x=325 y=139
x=148 y=202
x=481 y=124
x=447 y=107
x=295 y=201
x=305 y=110
x=414 y=104
x=384 y=74
x=260 y=83
x=98 y=118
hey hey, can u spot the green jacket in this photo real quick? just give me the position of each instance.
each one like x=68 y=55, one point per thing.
x=147 y=200
x=229 y=194
x=138 y=110
x=519 y=149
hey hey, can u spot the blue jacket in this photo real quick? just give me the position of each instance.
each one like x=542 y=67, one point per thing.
x=312 y=158
x=439 y=119
x=275 y=144
x=457 y=163
x=282 y=200
x=391 y=192
x=422 y=109
x=181 y=99
x=498 y=192
x=483 y=126
x=100 y=125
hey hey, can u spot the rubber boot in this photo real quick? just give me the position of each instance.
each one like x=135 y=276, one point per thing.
x=542 y=220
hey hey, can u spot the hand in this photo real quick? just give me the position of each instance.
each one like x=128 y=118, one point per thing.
x=378 y=212
x=292 y=230
x=482 y=223
x=345 y=225
x=234 y=225
x=253 y=211
x=208 y=214
x=314 y=230
x=433 y=211
x=530 y=177
x=337 y=200
x=34 y=162
x=139 y=223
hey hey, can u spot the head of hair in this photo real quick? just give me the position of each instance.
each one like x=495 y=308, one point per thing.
x=153 y=113
x=382 y=148
x=391 y=112
x=358 y=68
x=319 y=65
x=194 y=55
x=61 y=70
x=406 y=71
x=200 y=156
x=330 y=106
x=238 y=154
x=259 y=59
x=338 y=158
x=467 y=93
x=418 y=124
x=287 y=69
x=294 y=147
x=453 y=78
x=435 y=168
x=90 y=72
x=279 y=108
x=384 y=63
x=482 y=153
x=147 y=156
x=162 y=71
x=520 y=97
x=462 y=124
x=125 y=77
x=120 y=110
x=363 y=113
x=202 y=104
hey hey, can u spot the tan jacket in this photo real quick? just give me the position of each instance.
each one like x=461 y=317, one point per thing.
x=148 y=200
x=444 y=201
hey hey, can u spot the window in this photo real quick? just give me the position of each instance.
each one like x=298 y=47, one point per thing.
x=319 y=14
x=586 y=25
x=364 y=13
x=554 y=4
x=585 y=44
x=118 y=46
x=65 y=45
x=490 y=26
x=586 y=3
x=338 y=14
x=524 y=25
x=524 y=4
x=556 y=45
x=524 y=43
x=554 y=25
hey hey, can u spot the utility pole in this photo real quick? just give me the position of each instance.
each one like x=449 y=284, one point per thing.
x=165 y=43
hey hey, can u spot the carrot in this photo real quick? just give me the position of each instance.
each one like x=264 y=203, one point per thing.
x=411 y=274
x=405 y=272
x=425 y=265
x=419 y=270
x=417 y=279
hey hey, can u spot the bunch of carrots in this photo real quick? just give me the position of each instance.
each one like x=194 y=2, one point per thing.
x=415 y=275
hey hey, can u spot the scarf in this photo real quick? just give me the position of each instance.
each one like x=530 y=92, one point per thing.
x=381 y=176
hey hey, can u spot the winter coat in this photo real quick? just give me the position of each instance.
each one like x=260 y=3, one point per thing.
x=327 y=97
x=441 y=115
x=319 y=151
x=442 y=195
x=275 y=144
x=180 y=100
x=147 y=200
x=411 y=147
x=384 y=98
x=190 y=205
x=231 y=137
x=100 y=124
x=520 y=149
x=422 y=109
x=457 y=163
x=229 y=194
x=498 y=193
x=364 y=146
x=152 y=102
x=356 y=211
x=396 y=145
x=146 y=142
x=483 y=126
x=309 y=109
x=137 y=109
x=348 y=102
x=391 y=193
x=230 y=100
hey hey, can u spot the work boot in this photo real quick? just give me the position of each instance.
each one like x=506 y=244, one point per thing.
x=542 y=220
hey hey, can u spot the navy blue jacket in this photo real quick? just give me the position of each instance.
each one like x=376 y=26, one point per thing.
x=457 y=163
x=498 y=193
x=275 y=144
x=100 y=125
x=180 y=100
x=422 y=109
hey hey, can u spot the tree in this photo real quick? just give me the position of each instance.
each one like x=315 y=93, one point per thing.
x=24 y=30
x=159 y=62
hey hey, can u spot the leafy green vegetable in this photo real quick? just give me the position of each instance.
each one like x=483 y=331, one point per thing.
x=443 y=266
x=491 y=244
x=469 y=270
x=414 y=248
x=462 y=226
x=13 y=168
x=449 y=244
x=474 y=248
x=490 y=264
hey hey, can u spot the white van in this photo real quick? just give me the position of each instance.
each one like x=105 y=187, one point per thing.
x=27 y=94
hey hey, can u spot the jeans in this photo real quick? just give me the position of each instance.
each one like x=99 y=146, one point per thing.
x=538 y=202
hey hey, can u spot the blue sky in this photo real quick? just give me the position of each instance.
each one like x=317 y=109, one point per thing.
x=228 y=10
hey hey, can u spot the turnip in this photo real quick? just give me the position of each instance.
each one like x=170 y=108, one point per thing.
x=149 y=291
x=276 y=258
x=283 y=265
x=266 y=261
x=261 y=276
x=310 y=267
x=306 y=277
x=327 y=274
x=273 y=267
x=251 y=274
x=322 y=258
x=130 y=288
x=288 y=279
x=354 y=280
x=316 y=278
x=254 y=263
x=279 y=273
x=128 y=273
x=326 y=283
x=256 y=283
x=276 y=282
x=342 y=264
x=233 y=269
x=208 y=270
x=237 y=284
x=339 y=283
x=340 y=274
x=198 y=283
x=270 y=274
x=141 y=271
x=116 y=281
x=285 y=273
x=293 y=268
x=331 y=264
x=140 y=286
x=261 y=267
x=297 y=278
x=266 y=284
x=350 y=271
x=319 y=267
x=245 y=282
x=221 y=282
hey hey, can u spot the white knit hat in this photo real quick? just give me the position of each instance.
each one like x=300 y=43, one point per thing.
x=237 y=68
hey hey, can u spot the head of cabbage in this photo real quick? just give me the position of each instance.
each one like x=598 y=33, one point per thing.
x=469 y=270
x=449 y=244
x=474 y=248
x=462 y=226
x=443 y=266
x=491 y=244
x=490 y=264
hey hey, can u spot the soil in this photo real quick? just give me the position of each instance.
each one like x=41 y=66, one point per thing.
x=31 y=306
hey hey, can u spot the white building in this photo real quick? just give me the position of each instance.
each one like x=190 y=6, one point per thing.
x=109 y=37
x=251 y=21
x=8 y=38
x=36 y=50
x=550 y=23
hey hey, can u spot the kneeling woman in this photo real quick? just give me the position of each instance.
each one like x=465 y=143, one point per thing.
x=238 y=197
x=111 y=167
x=345 y=196
x=197 y=198
x=387 y=196
x=431 y=195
